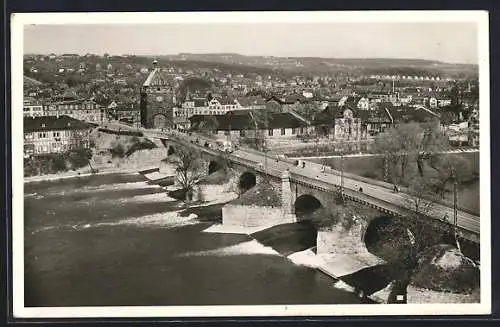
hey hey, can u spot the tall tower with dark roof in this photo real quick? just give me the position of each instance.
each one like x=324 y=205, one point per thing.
x=156 y=100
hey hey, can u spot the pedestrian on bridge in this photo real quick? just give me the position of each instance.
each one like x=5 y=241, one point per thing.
x=303 y=164
x=396 y=190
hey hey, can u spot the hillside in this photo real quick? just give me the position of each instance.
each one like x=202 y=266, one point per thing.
x=313 y=64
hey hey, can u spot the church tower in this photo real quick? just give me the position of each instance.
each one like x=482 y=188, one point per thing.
x=156 y=100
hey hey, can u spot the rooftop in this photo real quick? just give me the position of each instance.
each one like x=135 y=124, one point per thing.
x=242 y=120
x=53 y=123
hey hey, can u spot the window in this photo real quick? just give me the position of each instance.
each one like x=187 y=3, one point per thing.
x=270 y=132
x=293 y=131
x=55 y=134
x=302 y=130
x=282 y=131
x=242 y=133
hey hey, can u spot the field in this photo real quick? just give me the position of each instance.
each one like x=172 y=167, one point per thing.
x=373 y=167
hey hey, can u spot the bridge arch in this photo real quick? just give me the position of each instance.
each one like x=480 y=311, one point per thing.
x=214 y=166
x=305 y=205
x=159 y=121
x=387 y=237
x=246 y=181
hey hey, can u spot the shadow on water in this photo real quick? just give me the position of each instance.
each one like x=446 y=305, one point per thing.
x=369 y=280
x=288 y=238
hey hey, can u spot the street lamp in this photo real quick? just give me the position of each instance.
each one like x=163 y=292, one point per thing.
x=455 y=209
x=341 y=171
x=386 y=167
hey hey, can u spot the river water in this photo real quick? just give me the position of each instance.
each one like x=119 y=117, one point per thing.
x=114 y=240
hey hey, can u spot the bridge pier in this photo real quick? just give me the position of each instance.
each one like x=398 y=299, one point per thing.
x=287 y=198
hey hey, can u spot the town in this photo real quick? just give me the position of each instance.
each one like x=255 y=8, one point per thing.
x=371 y=128
x=98 y=89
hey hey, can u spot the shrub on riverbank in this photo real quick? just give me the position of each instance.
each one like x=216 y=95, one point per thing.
x=125 y=147
x=444 y=268
x=57 y=162
x=262 y=194
x=373 y=167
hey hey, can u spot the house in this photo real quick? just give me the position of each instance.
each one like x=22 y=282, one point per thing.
x=350 y=124
x=251 y=102
x=341 y=123
x=81 y=109
x=474 y=128
x=363 y=104
x=129 y=116
x=32 y=108
x=281 y=127
x=406 y=114
x=53 y=134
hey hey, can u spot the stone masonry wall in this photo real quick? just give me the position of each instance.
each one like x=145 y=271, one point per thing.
x=251 y=216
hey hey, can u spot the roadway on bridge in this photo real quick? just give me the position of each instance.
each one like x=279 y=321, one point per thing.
x=313 y=173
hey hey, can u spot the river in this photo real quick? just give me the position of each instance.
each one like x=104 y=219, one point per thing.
x=114 y=240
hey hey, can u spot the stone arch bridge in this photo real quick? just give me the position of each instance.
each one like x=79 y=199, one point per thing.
x=300 y=191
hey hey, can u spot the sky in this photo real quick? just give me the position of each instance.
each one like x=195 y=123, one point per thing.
x=446 y=41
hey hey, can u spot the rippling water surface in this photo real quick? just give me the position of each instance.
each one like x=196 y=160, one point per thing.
x=115 y=240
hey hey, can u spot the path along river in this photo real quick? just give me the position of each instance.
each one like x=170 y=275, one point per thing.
x=116 y=240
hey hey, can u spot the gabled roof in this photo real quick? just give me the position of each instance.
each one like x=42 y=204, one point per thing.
x=226 y=100
x=251 y=101
x=404 y=114
x=330 y=113
x=53 y=123
x=156 y=78
x=243 y=120
x=200 y=102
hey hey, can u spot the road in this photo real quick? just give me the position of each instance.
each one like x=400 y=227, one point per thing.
x=312 y=172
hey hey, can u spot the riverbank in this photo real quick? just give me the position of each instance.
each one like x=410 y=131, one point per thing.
x=78 y=173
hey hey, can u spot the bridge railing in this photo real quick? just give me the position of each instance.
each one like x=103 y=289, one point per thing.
x=403 y=190
x=277 y=174
x=374 y=202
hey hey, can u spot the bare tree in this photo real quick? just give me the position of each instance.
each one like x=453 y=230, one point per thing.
x=188 y=167
x=260 y=120
x=411 y=142
x=450 y=169
x=429 y=142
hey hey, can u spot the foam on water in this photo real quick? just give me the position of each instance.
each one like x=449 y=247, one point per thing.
x=164 y=220
x=343 y=286
x=245 y=248
x=108 y=187
x=149 y=198
x=219 y=198
x=305 y=258
x=222 y=229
